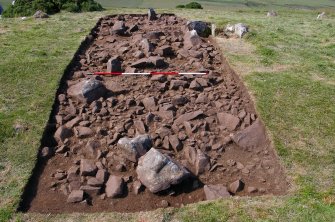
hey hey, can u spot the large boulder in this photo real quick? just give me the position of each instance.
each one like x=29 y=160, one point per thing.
x=158 y=172
x=202 y=28
x=136 y=147
x=87 y=91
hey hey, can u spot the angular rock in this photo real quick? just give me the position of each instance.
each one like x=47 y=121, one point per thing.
x=157 y=61
x=236 y=186
x=154 y=35
x=165 y=51
x=158 y=172
x=179 y=100
x=228 y=120
x=191 y=38
x=202 y=163
x=75 y=196
x=87 y=91
x=190 y=154
x=62 y=133
x=102 y=175
x=83 y=132
x=114 y=65
x=94 y=182
x=87 y=167
x=213 y=192
x=141 y=63
x=175 y=143
x=118 y=28
x=140 y=127
x=150 y=103
x=202 y=28
x=195 y=85
x=147 y=46
x=175 y=84
x=114 y=186
x=252 y=136
x=137 y=186
x=136 y=147
x=187 y=116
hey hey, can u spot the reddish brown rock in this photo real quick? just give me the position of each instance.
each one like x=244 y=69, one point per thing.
x=218 y=191
x=75 y=196
x=87 y=167
x=114 y=186
x=228 y=120
x=236 y=186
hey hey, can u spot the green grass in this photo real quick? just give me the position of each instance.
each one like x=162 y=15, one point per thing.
x=215 y=4
x=287 y=63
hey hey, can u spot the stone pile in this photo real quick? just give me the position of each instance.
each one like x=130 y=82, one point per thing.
x=127 y=136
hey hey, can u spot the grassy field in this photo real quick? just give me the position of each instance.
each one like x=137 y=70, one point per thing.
x=287 y=63
x=215 y=4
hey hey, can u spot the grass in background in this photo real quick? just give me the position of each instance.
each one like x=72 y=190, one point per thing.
x=287 y=63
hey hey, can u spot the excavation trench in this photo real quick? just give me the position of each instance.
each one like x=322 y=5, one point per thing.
x=184 y=115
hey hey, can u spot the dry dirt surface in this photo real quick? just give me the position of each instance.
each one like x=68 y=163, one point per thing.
x=135 y=143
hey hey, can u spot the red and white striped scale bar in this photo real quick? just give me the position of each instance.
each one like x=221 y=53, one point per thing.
x=146 y=73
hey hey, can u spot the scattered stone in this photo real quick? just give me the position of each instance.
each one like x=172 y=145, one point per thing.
x=164 y=203
x=62 y=133
x=114 y=186
x=202 y=163
x=87 y=168
x=158 y=172
x=87 y=91
x=137 y=186
x=228 y=120
x=83 y=132
x=136 y=147
x=236 y=186
x=175 y=143
x=47 y=152
x=150 y=103
x=175 y=84
x=179 y=100
x=272 y=14
x=114 y=65
x=213 y=192
x=251 y=137
x=75 y=196
x=118 y=28
x=191 y=38
x=187 y=116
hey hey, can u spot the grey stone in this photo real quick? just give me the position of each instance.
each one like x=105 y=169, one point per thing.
x=158 y=172
x=202 y=28
x=136 y=147
x=87 y=91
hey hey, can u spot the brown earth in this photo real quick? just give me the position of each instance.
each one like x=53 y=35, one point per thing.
x=227 y=129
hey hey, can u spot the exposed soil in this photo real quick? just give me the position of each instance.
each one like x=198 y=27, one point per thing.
x=121 y=112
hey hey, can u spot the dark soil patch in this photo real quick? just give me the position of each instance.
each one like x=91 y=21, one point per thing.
x=218 y=132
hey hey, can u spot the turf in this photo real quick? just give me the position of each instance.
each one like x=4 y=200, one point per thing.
x=286 y=62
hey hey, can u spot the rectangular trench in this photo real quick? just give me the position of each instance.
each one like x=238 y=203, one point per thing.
x=225 y=127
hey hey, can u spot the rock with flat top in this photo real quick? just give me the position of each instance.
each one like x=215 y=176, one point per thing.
x=75 y=196
x=87 y=91
x=213 y=192
x=228 y=120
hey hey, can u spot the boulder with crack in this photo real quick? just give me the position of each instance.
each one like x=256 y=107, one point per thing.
x=158 y=172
